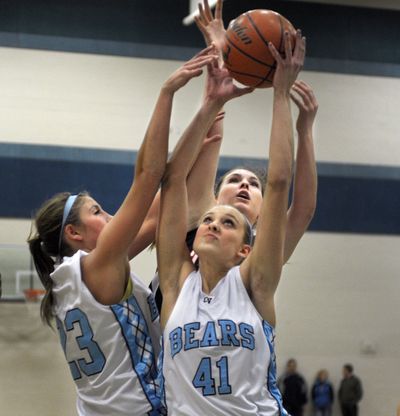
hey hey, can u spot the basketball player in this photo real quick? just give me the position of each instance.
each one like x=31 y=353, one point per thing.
x=303 y=202
x=218 y=322
x=243 y=188
x=111 y=350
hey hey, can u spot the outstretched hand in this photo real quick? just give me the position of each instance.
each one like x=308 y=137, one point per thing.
x=220 y=86
x=212 y=27
x=190 y=69
x=307 y=104
x=288 y=66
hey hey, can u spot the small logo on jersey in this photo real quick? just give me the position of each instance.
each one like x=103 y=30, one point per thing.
x=207 y=299
x=153 y=307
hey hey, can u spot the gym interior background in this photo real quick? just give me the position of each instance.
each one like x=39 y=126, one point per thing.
x=78 y=82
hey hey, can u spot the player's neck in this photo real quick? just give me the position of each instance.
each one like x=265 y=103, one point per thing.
x=211 y=274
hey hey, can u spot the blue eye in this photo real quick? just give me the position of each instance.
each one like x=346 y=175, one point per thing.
x=207 y=220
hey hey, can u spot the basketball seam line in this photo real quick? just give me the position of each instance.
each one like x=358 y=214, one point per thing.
x=246 y=54
x=279 y=50
x=282 y=34
x=257 y=31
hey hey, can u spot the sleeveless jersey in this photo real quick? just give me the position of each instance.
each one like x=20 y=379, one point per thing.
x=155 y=283
x=111 y=350
x=218 y=353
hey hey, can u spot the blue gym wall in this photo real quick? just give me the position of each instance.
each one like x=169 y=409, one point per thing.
x=31 y=173
x=341 y=39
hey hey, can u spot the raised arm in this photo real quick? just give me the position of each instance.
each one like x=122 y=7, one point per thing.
x=262 y=268
x=106 y=268
x=202 y=177
x=173 y=258
x=147 y=232
x=201 y=180
x=302 y=208
x=211 y=26
x=200 y=186
x=174 y=263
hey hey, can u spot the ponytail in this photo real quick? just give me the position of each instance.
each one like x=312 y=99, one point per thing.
x=44 y=265
x=47 y=242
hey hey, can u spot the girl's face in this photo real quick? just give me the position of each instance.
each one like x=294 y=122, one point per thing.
x=221 y=232
x=242 y=189
x=93 y=220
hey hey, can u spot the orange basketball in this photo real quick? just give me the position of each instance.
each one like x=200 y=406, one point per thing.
x=246 y=53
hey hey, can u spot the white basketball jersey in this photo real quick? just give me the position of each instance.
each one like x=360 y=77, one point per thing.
x=218 y=353
x=111 y=350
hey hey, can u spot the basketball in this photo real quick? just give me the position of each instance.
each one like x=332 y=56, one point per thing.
x=246 y=53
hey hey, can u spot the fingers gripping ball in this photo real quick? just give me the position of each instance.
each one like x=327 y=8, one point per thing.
x=246 y=53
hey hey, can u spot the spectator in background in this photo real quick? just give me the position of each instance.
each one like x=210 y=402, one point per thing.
x=322 y=394
x=294 y=389
x=350 y=392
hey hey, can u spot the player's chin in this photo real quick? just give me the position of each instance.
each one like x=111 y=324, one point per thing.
x=243 y=205
x=207 y=247
x=209 y=243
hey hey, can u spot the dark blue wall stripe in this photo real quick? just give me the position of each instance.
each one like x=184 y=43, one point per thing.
x=26 y=183
x=66 y=153
x=351 y=198
x=340 y=39
x=357 y=205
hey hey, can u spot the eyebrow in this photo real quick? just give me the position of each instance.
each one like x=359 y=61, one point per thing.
x=226 y=214
x=231 y=175
x=230 y=215
x=239 y=175
x=233 y=217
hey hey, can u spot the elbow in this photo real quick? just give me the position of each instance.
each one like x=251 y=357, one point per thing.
x=278 y=182
x=308 y=212
x=109 y=291
x=153 y=169
x=304 y=211
x=279 y=177
x=173 y=175
x=150 y=173
x=110 y=298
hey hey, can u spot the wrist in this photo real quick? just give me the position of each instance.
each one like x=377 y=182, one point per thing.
x=167 y=90
x=304 y=134
x=213 y=102
x=282 y=93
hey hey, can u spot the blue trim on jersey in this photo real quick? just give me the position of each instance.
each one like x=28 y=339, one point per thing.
x=152 y=307
x=161 y=379
x=271 y=376
x=136 y=334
